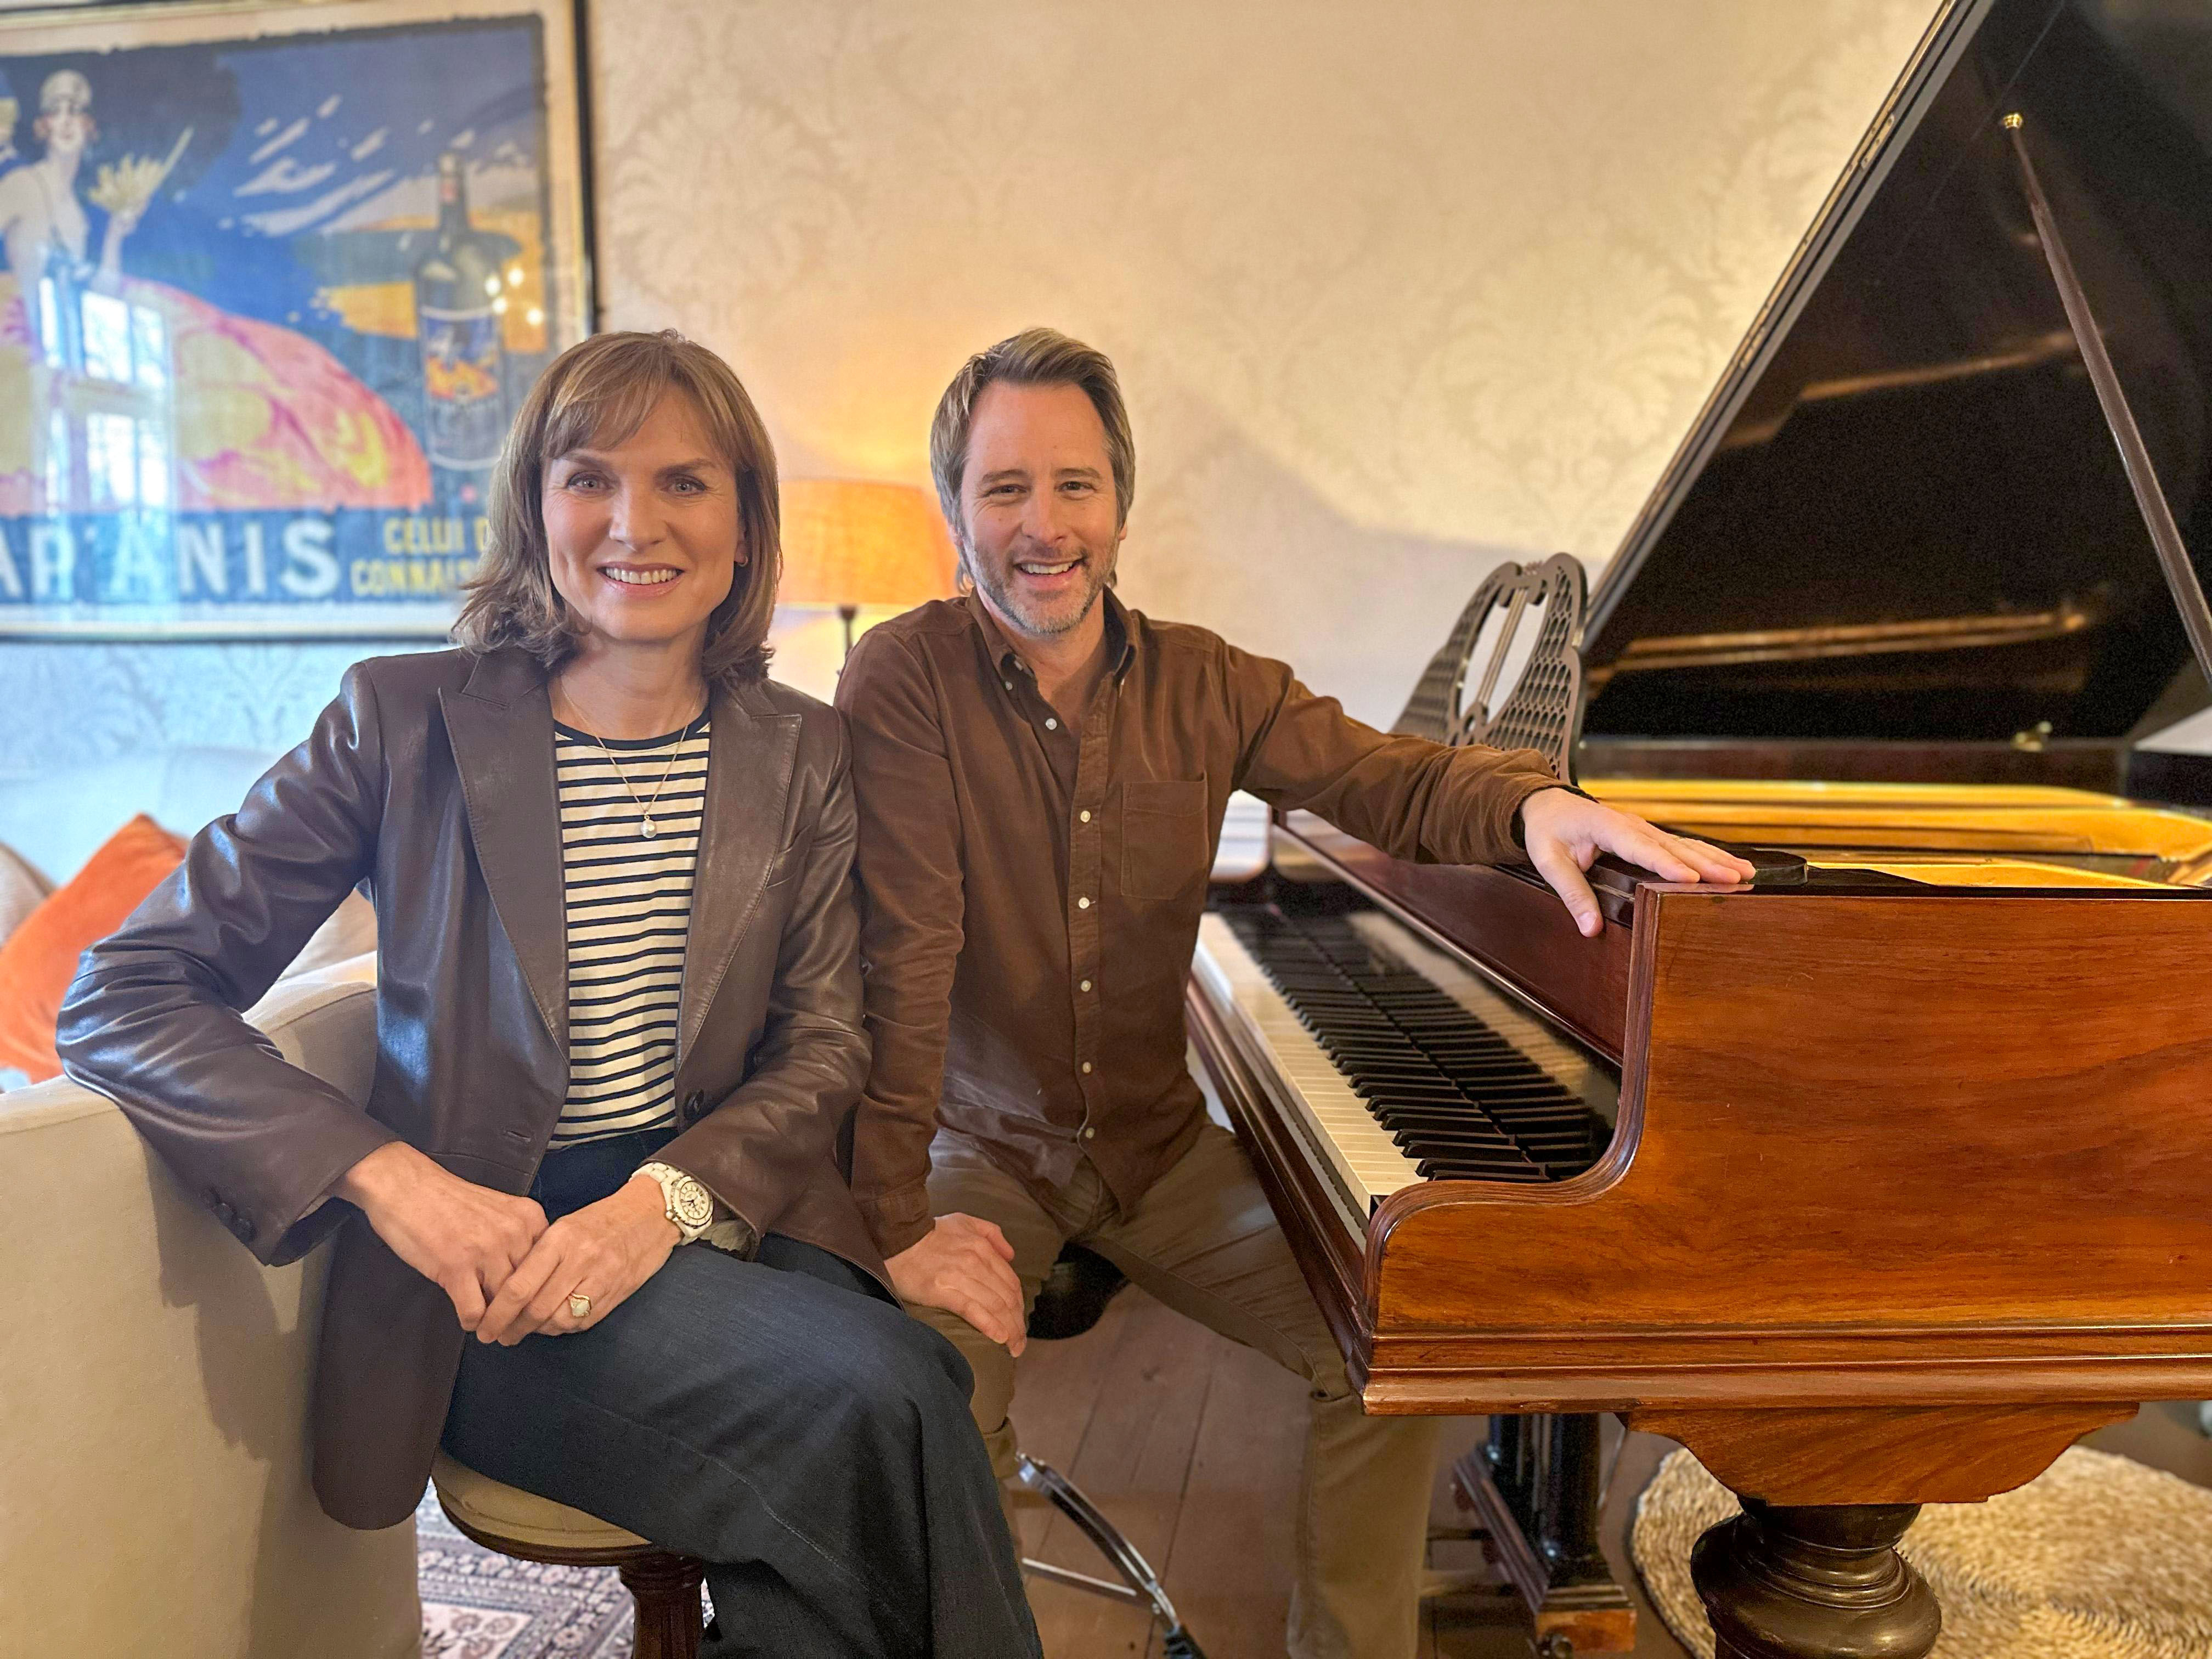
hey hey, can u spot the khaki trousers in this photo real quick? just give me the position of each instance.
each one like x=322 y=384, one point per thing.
x=1203 y=1241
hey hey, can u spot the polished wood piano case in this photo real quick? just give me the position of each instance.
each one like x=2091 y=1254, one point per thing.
x=1905 y=1187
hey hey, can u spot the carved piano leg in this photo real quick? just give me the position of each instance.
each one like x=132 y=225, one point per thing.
x=1535 y=1488
x=1811 y=1570
x=1814 y=1583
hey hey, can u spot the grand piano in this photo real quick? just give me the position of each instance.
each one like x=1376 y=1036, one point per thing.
x=1881 y=1182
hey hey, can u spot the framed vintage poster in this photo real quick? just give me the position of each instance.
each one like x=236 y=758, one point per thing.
x=276 y=276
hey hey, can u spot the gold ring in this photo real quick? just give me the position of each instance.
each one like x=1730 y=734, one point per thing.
x=580 y=1306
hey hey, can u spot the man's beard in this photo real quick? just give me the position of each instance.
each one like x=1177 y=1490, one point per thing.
x=1032 y=618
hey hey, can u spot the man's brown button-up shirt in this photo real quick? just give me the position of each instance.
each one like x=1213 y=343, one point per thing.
x=1032 y=890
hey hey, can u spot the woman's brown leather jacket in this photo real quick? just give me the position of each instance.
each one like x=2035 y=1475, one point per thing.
x=431 y=778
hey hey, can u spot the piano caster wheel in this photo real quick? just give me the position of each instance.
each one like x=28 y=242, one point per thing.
x=1177 y=1645
x=1553 y=1646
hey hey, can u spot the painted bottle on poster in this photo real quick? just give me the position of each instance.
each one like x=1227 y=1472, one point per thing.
x=457 y=288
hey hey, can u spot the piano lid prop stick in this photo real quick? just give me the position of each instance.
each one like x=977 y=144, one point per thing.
x=2142 y=478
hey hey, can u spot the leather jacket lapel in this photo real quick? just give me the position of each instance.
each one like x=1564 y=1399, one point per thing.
x=751 y=758
x=501 y=726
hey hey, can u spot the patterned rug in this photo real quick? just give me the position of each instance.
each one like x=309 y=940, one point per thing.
x=2099 y=1558
x=477 y=1604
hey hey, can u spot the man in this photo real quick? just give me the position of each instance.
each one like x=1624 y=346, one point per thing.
x=1041 y=775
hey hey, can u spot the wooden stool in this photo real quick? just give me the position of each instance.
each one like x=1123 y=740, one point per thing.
x=664 y=1587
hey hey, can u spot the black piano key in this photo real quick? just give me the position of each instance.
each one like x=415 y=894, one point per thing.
x=1388 y=1078
x=1452 y=1169
x=1429 y=1144
x=1472 y=1132
x=1433 y=1117
x=1486 y=1158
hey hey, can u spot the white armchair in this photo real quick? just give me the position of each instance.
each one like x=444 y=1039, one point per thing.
x=154 y=1380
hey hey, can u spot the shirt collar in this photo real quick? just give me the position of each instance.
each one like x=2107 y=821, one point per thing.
x=1121 y=637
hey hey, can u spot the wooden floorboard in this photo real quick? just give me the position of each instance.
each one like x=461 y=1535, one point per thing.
x=1193 y=1445
x=1229 y=1573
x=1132 y=1460
x=1056 y=1388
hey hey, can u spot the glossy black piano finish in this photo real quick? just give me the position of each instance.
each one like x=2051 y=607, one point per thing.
x=1898 y=543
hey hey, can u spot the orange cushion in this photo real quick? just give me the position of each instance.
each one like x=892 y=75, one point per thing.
x=40 y=959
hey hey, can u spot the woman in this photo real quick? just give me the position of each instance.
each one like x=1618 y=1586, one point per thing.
x=42 y=224
x=609 y=860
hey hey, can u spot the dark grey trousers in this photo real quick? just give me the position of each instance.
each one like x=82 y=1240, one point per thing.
x=789 y=1426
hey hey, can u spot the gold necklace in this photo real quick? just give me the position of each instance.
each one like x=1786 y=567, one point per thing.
x=647 y=827
x=644 y=807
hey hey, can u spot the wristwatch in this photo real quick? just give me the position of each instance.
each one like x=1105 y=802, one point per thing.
x=690 y=1206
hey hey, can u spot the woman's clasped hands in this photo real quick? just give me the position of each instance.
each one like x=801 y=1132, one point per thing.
x=508 y=1272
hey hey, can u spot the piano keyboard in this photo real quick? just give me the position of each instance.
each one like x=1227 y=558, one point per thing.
x=1392 y=1080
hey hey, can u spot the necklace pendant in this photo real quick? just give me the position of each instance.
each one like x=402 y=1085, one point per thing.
x=648 y=831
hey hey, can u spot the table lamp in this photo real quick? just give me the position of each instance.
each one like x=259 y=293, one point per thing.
x=849 y=543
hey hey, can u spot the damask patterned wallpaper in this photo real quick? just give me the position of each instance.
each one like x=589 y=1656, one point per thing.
x=1397 y=289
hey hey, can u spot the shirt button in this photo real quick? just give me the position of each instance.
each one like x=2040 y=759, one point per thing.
x=1086 y=985
x=1086 y=1068
x=1090 y=1134
x=1052 y=725
x=1009 y=684
x=1086 y=816
x=1083 y=904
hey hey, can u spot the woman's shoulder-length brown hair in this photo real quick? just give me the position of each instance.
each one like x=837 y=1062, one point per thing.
x=598 y=393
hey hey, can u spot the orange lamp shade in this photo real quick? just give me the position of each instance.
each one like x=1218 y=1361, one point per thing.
x=850 y=544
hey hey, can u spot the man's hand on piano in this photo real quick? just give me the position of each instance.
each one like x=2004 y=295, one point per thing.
x=966 y=1266
x=1564 y=834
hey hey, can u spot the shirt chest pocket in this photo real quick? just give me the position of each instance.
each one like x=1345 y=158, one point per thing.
x=1166 y=846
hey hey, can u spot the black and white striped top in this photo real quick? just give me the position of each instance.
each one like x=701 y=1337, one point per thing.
x=628 y=903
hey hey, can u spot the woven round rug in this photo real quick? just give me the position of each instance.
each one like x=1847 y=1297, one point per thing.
x=2099 y=1558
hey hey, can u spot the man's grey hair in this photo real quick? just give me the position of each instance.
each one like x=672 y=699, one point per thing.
x=1036 y=357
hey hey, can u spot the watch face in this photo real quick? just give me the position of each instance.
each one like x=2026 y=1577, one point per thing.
x=695 y=1204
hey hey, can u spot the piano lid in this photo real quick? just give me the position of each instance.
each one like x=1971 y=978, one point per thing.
x=1903 y=514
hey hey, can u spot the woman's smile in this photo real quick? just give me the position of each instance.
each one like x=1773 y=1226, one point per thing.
x=642 y=581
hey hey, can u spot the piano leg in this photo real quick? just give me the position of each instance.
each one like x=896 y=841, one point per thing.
x=1811 y=1570
x=1566 y=1518
x=1505 y=1455
x=1535 y=1486
x=1814 y=1583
